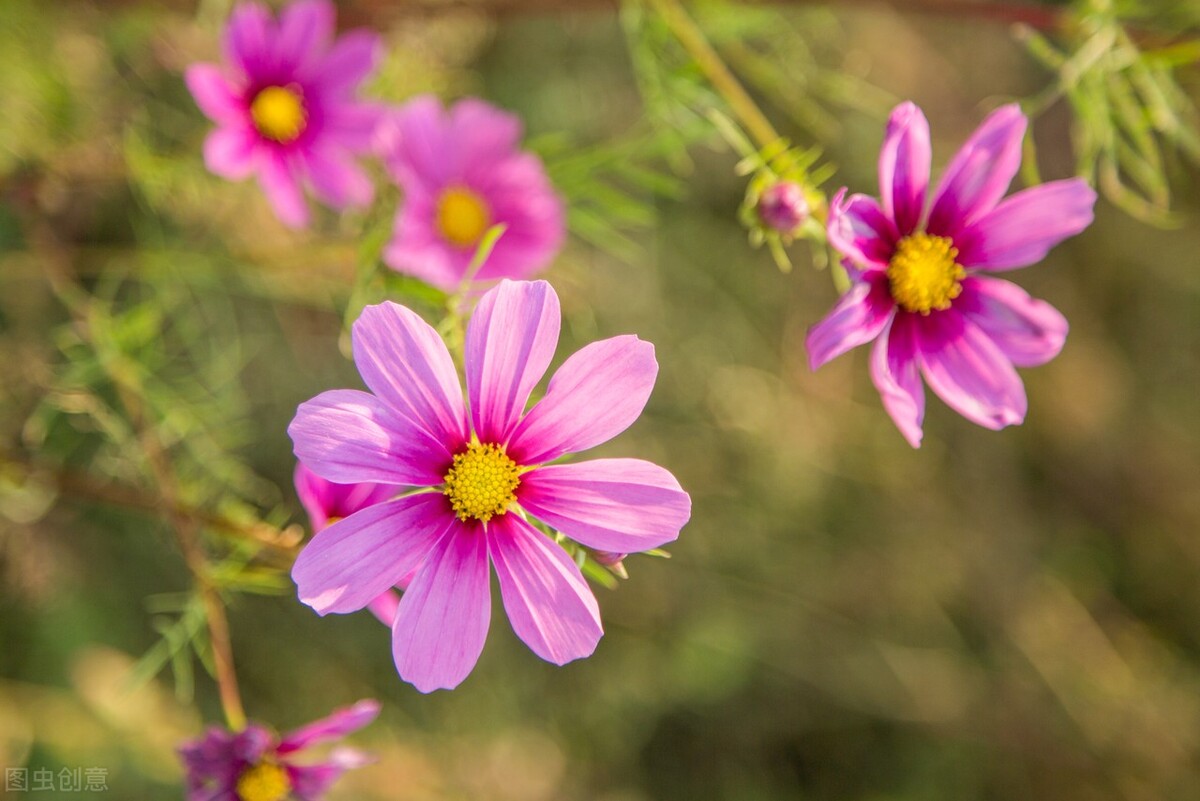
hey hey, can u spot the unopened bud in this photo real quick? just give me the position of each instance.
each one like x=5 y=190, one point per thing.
x=783 y=207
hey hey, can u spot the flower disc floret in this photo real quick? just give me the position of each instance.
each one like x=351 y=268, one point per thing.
x=462 y=216
x=482 y=482
x=265 y=781
x=923 y=274
x=278 y=113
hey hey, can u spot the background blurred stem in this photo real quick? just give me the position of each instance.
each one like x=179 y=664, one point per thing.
x=187 y=532
x=748 y=114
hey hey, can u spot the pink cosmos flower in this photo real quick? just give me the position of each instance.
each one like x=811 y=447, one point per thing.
x=478 y=474
x=327 y=503
x=922 y=290
x=256 y=765
x=285 y=106
x=462 y=172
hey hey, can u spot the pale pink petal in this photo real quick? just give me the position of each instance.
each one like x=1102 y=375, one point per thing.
x=349 y=62
x=213 y=94
x=596 y=394
x=352 y=562
x=1022 y=229
x=969 y=372
x=384 y=607
x=305 y=29
x=247 y=39
x=443 y=617
x=615 y=505
x=980 y=172
x=894 y=371
x=904 y=167
x=857 y=319
x=337 y=180
x=548 y=602
x=405 y=362
x=510 y=341
x=349 y=436
x=282 y=189
x=232 y=152
x=1030 y=332
x=335 y=726
x=312 y=782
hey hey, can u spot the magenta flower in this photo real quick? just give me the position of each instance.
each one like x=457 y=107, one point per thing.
x=921 y=288
x=478 y=474
x=285 y=106
x=327 y=503
x=462 y=172
x=256 y=765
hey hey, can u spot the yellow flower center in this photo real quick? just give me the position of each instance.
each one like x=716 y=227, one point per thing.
x=278 y=113
x=265 y=781
x=462 y=216
x=482 y=482
x=923 y=274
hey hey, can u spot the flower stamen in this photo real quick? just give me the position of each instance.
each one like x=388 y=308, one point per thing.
x=278 y=113
x=265 y=781
x=482 y=482
x=923 y=275
x=462 y=216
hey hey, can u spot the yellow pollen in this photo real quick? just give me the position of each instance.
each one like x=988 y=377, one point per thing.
x=265 y=781
x=923 y=274
x=482 y=482
x=462 y=216
x=278 y=113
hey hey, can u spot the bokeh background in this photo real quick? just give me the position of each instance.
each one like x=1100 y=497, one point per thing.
x=1009 y=615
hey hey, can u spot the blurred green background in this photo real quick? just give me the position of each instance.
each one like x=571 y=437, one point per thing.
x=1010 y=615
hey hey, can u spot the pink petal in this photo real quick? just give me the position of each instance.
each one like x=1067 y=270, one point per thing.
x=213 y=94
x=351 y=563
x=337 y=180
x=444 y=615
x=305 y=29
x=894 y=371
x=510 y=341
x=857 y=318
x=247 y=39
x=323 y=499
x=282 y=189
x=1022 y=229
x=312 y=782
x=349 y=436
x=968 y=371
x=859 y=229
x=481 y=135
x=349 y=62
x=548 y=602
x=1029 y=332
x=904 y=167
x=384 y=607
x=596 y=394
x=354 y=126
x=615 y=505
x=405 y=362
x=231 y=153
x=980 y=172
x=416 y=143
x=337 y=725
x=522 y=197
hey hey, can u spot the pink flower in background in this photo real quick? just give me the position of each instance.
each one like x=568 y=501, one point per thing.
x=922 y=290
x=285 y=106
x=327 y=503
x=256 y=765
x=462 y=172
x=485 y=469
